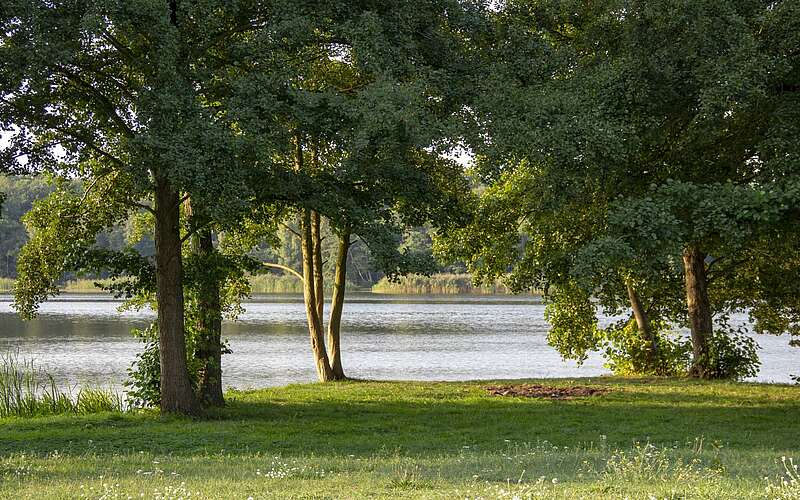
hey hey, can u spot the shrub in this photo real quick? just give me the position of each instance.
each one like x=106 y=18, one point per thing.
x=628 y=353
x=144 y=375
x=732 y=355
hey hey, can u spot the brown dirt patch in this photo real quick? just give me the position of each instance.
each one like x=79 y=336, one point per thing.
x=544 y=392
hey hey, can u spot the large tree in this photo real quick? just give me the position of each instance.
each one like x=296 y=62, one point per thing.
x=119 y=95
x=646 y=151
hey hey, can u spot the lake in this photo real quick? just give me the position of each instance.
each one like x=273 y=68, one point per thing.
x=84 y=339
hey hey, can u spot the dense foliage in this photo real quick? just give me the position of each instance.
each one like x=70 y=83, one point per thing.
x=634 y=159
x=642 y=156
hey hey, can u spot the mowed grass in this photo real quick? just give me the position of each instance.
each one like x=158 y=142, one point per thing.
x=647 y=438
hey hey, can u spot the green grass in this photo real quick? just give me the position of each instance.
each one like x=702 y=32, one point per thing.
x=662 y=437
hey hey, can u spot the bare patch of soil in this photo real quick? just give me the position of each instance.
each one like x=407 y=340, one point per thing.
x=544 y=392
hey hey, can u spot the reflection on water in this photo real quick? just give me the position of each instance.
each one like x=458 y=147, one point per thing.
x=85 y=339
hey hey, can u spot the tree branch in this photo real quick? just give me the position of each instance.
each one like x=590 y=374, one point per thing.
x=194 y=231
x=284 y=268
x=142 y=205
x=289 y=228
x=104 y=102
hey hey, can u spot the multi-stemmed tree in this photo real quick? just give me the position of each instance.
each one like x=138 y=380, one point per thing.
x=366 y=119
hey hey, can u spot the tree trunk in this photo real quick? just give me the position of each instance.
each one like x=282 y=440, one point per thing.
x=643 y=325
x=698 y=308
x=208 y=348
x=176 y=389
x=337 y=304
x=319 y=281
x=323 y=366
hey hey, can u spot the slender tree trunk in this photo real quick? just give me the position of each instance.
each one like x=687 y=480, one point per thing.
x=319 y=281
x=698 y=307
x=643 y=325
x=337 y=305
x=176 y=389
x=316 y=237
x=209 y=325
x=323 y=366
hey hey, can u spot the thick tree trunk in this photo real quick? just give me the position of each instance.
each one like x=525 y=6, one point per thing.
x=643 y=325
x=321 y=361
x=208 y=348
x=337 y=305
x=699 y=309
x=176 y=389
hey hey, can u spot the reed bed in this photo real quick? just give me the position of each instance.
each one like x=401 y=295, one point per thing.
x=28 y=391
x=438 y=284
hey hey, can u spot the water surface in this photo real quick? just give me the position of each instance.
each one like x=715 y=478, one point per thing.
x=84 y=339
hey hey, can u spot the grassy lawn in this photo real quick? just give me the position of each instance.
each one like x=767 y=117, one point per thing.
x=647 y=438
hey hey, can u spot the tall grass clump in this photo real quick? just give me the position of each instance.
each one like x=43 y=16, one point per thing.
x=286 y=284
x=71 y=286
x=84 y=285
x=787 y=487
x=28 y=391
x=274 y=283
x=438 y=284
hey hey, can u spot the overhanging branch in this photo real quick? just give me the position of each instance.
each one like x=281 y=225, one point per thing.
x=284 y=268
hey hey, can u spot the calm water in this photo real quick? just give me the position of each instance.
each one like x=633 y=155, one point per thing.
x=84 y=339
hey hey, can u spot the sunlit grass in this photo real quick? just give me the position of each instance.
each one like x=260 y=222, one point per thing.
x=285 y=284
x=659 y=438
x=437 y=284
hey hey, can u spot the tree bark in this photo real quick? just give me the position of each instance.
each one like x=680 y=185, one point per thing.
x=176 y=389
x=208 y=348
x=319 y=281
x=337 y=305
x=321 y=361
x=643 y=325
x=698 y=308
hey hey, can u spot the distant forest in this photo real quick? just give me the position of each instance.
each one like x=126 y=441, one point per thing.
x=22 y=192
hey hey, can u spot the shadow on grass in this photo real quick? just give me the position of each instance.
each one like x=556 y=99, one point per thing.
x=426 y=419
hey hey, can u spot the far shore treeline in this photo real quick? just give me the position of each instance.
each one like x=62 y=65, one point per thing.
x=447 y=278
x=638 y=159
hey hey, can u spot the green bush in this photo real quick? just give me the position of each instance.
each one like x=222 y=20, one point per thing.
x=144 y=374
x=627 y=353
x=732 y=355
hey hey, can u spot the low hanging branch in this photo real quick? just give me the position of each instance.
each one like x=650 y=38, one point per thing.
x=284 y=268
